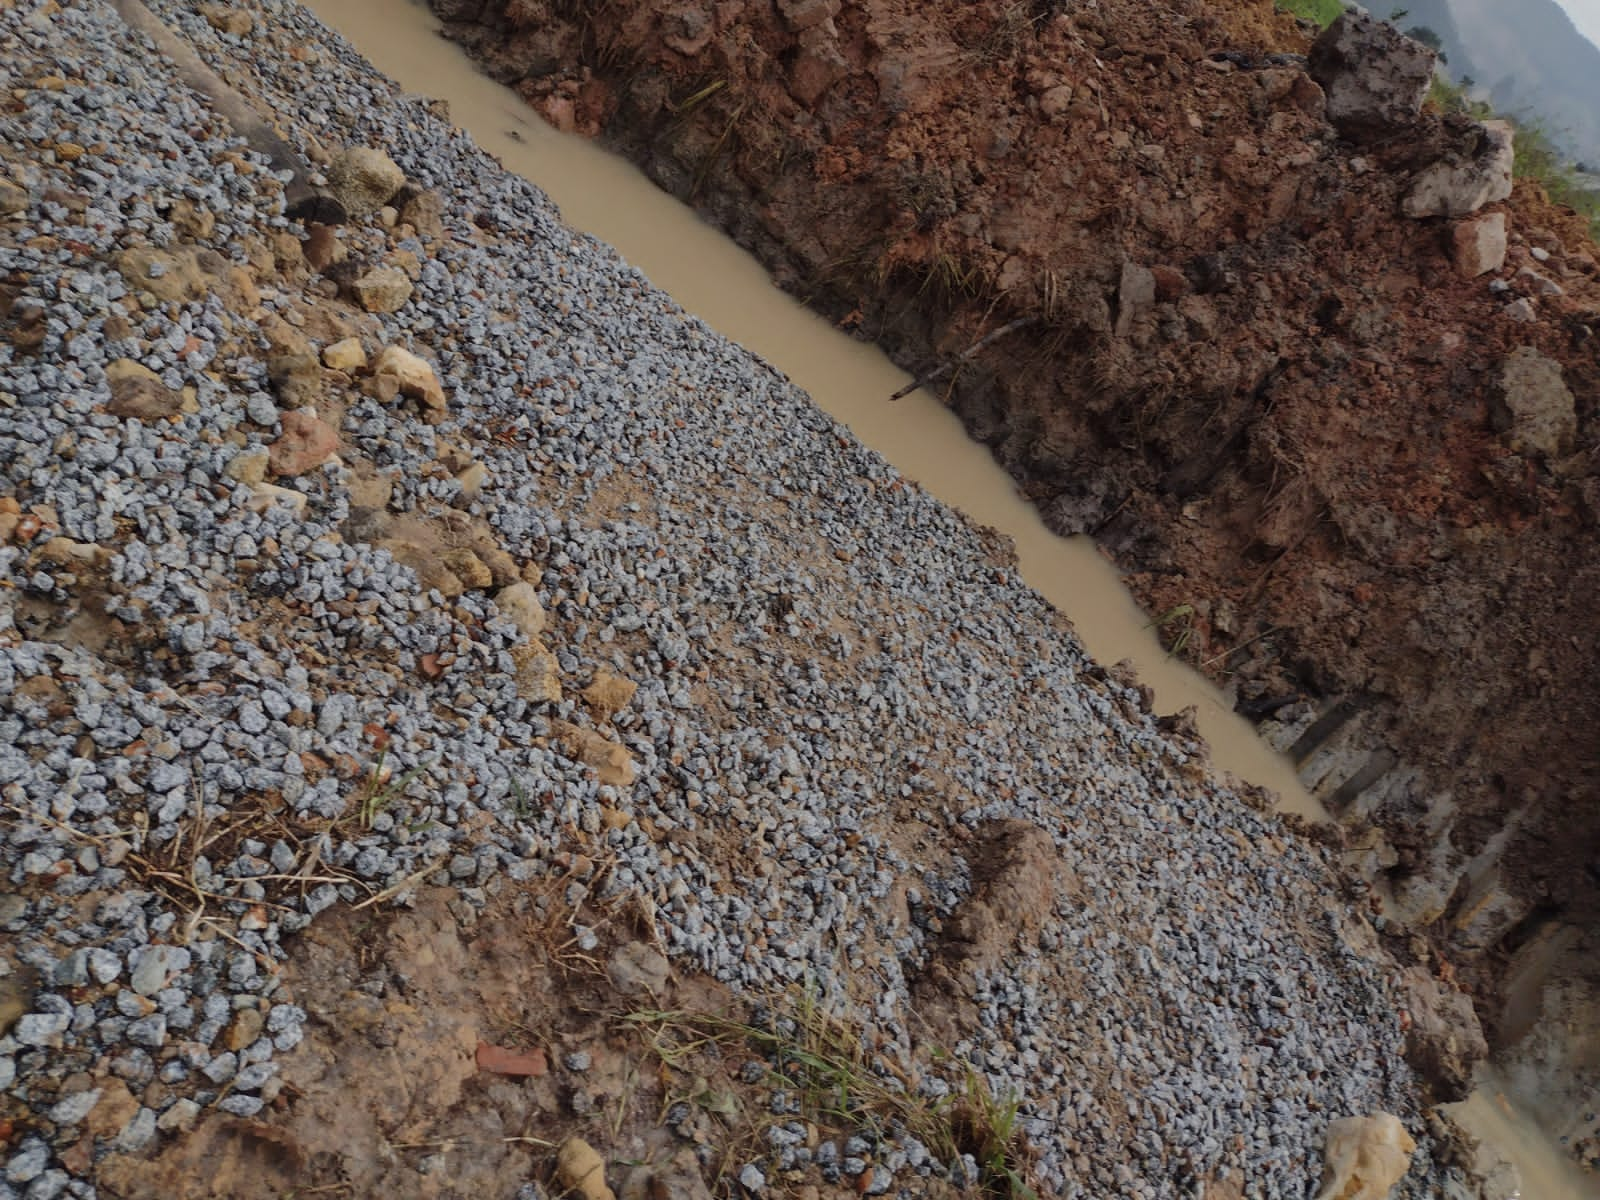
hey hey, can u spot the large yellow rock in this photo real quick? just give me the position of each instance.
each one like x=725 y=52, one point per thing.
x=582 y=1171
x=415 y=377
x=1366 y=1157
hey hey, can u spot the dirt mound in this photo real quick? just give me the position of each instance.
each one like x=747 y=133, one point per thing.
x=1274 y=397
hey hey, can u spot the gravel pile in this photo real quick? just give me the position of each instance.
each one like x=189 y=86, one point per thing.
x=224 y=709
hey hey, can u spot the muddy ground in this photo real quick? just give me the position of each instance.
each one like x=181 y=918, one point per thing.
x=1293 y=452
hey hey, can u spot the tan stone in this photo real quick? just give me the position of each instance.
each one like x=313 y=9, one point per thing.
x=609 y=693
x=424 y=212
x=469 y=568
x=265 y=495
x=1479 y=246
x=225 y=18
x=537 y=671
x=611 y=761
x=520 y=605
x=137 y=392
x=245 y=1028
x=425 y=561
x=364 y=179
x=174 y=276
x=383 y=290
x=305 y=444
x=13 y=199
x=582 y=1171
x=1365 y=1157
x=347 y=355
x=249 y=467
x=414 y=375
x=112 y=1112
x=1534 y=408
x=472 y=481
x=322 y=247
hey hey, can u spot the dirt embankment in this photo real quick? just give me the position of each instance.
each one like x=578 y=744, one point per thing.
x=1267 y=391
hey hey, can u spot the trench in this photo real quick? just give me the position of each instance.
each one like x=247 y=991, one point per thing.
x=706 y=273
x=709 y=276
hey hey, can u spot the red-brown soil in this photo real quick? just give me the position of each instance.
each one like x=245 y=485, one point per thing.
x=1296 y=439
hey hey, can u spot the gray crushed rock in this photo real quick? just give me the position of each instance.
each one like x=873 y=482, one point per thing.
x=826 y=660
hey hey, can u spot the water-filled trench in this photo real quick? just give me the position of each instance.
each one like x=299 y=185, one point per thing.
x=708 y=275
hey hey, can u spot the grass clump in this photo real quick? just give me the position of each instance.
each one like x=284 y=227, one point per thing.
x=819 y=1059
x=1323 y=12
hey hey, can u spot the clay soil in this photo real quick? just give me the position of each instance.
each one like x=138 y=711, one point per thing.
x=1294 y=446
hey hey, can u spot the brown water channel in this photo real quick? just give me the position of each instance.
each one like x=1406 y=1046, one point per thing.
x=718 y=282
x=711 y=277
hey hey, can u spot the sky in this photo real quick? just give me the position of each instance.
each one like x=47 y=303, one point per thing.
x=1585 y=15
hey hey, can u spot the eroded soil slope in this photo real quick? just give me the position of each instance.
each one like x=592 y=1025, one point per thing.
x=1294 y=446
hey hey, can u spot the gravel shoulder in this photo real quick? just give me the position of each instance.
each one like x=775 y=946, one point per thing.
x=431 y=595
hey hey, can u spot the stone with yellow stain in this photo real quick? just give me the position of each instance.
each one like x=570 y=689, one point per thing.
x=581 y=1170
x=1365 y=1157
x=609 y=693
x=347 y=355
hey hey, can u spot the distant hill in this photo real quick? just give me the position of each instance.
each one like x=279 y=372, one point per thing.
x=1529 y=57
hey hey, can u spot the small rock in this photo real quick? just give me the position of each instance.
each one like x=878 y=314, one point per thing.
x=225 y=18
x=520 y=605
x=248 y=466
x=609 y=693
x=296 y=378
x=1521 y=310
x=1136 y=296
x=138 y=1133
x=472 y=479
x=306 y=443
x=382 y=290
x=137 y=392
x=1365 y=1157
x=803 y=14
x=245 y=1029
x=12 y=198
x=363 y=180
x=538 y=673
x=415 y=377
x=322 y=247
x=1534 y=408
x=1445 y=1042
x=347 y=355
x=264 y=496
x=1533 y=283
x=611 y=761
x=38 y=1029
x=74 y=1108
x=580 y=1169
x=751 y=1179
x=180 y=1118
x=637 y=968
x=115 y=1109
x=469 y=568
x=1478 y=247
x=423 y=211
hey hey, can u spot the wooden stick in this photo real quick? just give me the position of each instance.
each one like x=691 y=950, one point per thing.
x=965 y=356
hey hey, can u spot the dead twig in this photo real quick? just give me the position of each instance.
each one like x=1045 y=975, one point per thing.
x=966 y=355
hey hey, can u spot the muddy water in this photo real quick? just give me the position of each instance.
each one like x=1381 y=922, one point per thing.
x=711 y=277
